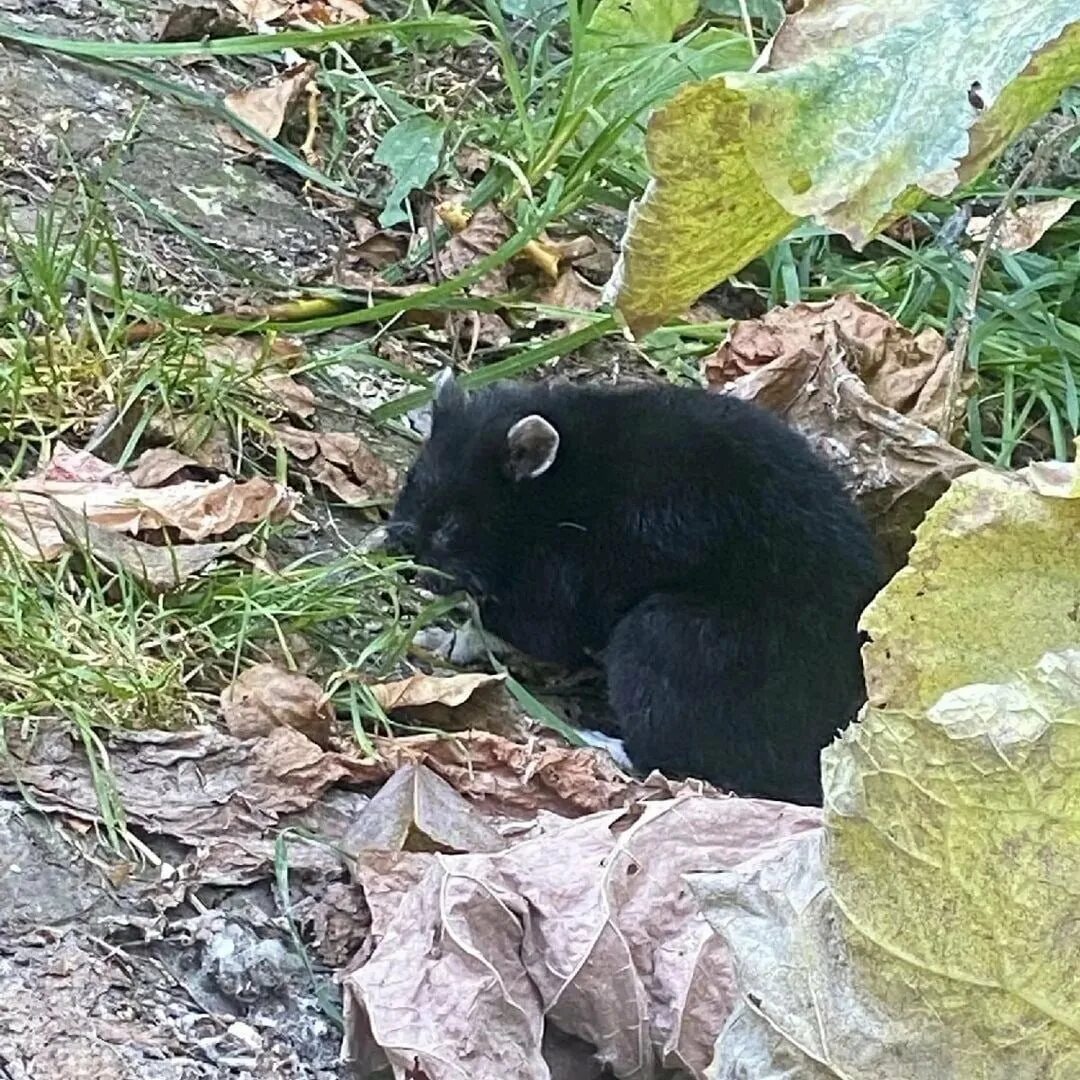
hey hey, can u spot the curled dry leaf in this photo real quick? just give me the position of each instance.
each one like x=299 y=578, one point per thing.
x=105 y=496
x=162 y=567
x=162 y=464
x=28 y=524
x=838 y=372
x=1023 y=227
x=613 y=952
x=375 y=248
x=267 y=363
x=261 y=11
x=197 y=21
x=517 y=779
x=264 y=697
x=455 y=702
x=327 y=12
x=341 y=462
x=416 y=810
x=265 y=107
x=431 y=689
x=474 y=237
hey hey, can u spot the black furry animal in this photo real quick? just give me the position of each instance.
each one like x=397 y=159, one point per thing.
x=689 y=541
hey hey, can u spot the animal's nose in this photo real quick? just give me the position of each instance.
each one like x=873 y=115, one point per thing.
x=401 y=538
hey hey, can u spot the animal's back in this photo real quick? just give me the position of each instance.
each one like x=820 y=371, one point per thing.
x=680 y=489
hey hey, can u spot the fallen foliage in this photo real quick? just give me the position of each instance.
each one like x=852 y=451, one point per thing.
x=78 y=498
x=586 y=928
x=223 y=797
x=836 y=127
x=455 y=703
x=264 y=697
x=1023 y=227
x=341 y=462
x=416 y=810
x=865 y=391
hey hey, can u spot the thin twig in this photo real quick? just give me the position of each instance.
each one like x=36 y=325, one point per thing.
x=962 y=343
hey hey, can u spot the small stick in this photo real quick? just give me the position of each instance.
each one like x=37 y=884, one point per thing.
x=962 y=342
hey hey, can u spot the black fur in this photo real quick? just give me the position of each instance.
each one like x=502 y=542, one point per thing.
x=690 y=541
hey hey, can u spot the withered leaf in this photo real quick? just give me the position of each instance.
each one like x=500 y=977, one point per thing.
x=106 y=496
x=265 y=107
x=261 y=11
x=455 y=702
x=161 y=464
x=265 y=696
x=162 y=567
x=803 y=362
x=1023 y=227
x=222 y=796
x=416 y=810
x=341 y=462
x=613 y=949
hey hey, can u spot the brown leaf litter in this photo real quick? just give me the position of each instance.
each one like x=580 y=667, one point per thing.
x=864 y=390
x=76 y=498
x=341 y=462
x=221 y=796
x=266 y=361
x=1023 y=227
x=417 y=810
x=455 y=702
x=265 y=696
x=265 y=107
x=588 y=928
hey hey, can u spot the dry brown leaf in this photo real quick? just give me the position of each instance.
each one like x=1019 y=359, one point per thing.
x=327 y=12
x=456 y=702
x=261 y=11
x=224 y=797
x=801 y=362
x=264 y=697
x=267 y=363
x=571 y=291
x=265 y=107
x=195 y=509
x=472 y=162
x=483 y=232
x=207 y=443
x=903 y=371
x=416 y=810
x=197 y=21
x=162 y=567
x=516 y=779
x=431 y=689
x=375 y=248
x=27 y=522
x=341 y=462
x=1023 y=227
x=613 y=950
x=161 y=464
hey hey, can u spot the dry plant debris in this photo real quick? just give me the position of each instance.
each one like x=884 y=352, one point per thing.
x=864 y=390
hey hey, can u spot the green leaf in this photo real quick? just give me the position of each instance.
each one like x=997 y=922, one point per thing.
x=867 y=104
x=931 y=931
x=411 y=150
x=639 y=21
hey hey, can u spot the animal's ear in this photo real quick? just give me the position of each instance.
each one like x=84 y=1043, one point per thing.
x=447 y=392
x=531 y=445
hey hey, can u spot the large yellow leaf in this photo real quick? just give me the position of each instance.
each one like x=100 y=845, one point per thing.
x=931 y=931
x=865 y=104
